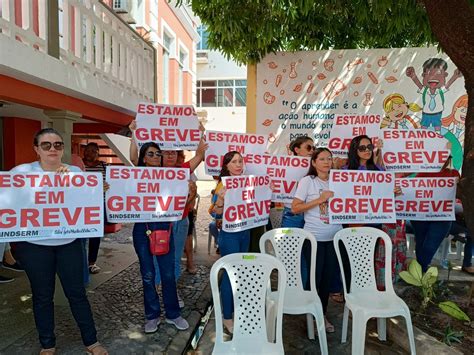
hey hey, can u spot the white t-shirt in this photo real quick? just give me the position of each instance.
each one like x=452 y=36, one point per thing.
x=316 y=219
x=36 y=167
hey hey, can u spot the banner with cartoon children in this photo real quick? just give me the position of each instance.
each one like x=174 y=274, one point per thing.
x=303 y=93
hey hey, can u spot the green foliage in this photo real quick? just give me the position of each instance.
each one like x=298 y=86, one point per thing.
x=453 y=310
x=426 y=282
x=450 y=336
x=246 y=30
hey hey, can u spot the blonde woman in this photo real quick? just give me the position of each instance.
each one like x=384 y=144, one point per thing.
x=396 y=113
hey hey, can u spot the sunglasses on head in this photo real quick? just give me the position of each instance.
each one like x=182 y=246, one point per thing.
x=46 y=146
x=152 y=154
x=363 y=148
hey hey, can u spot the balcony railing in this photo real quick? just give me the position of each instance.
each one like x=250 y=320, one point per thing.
x=90 y=37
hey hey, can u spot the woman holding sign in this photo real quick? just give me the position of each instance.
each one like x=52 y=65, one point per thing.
x=311 y=198
x=44 y=259
x=151 y=156
x=229 y=243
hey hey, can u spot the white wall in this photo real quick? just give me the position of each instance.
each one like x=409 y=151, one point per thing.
x=220 y=68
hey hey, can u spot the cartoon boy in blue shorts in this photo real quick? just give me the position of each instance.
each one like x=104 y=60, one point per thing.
x=434 y=79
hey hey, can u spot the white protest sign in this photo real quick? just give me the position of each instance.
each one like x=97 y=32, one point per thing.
x=346 y=127
x=361 y=197
x=285 y=171
x=426 y=199
x=413 y=150
x=141 y=194
x=222 y=142
x=172 y=127
x=39 y=206
x=246 y=203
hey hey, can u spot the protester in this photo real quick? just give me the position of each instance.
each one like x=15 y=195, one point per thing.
x=430 y=234
x=188 y=247
x=93 y=164
x=311 y=197
x=302 y=147
x=44 y=259
x=229 y=242
x=151 y=156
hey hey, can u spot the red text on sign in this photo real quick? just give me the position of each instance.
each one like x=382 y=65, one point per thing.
x=247 y=210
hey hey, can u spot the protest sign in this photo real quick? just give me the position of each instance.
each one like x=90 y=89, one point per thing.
x=222 y=142
x=246 y=203
x=285 y=172
x=141 y=194
x=426 y=199
x=361 y=197
x=413 y=150
x=346 y=127
x=172 y=127
x=39 y=206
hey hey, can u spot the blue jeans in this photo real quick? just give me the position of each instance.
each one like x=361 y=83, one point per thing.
x=87 y=277
x=458 y=228
x=166 y=263
x=180 y=233
x=42 y=263
x=230 y=243
x=428 y=237
x=291 y=220
x=214 y=231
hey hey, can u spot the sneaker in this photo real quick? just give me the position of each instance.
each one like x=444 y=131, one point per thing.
x=13 y=267
x=180 y=301
x=151 y=325
x=180 y=323
x=94 y=269
x=5 y=280
x=445 y=264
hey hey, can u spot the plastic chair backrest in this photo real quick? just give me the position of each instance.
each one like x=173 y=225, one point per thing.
x=287 y=244
x=360 y=246
x=249 y=275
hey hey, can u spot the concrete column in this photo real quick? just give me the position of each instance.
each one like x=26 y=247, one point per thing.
x=62 y=121
x=53 y=28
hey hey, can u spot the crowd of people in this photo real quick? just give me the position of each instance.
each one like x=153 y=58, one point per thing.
x=66 y=257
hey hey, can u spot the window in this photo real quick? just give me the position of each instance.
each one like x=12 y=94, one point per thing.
x=202 y=45
x=167 y=41
x=221 y=93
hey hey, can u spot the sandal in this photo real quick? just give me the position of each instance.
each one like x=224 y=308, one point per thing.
x=329 y=326
x=337 y=297
x=50 y=351
x=96 y=349
x=94 y=269
x=228 y=326
x=468 y=269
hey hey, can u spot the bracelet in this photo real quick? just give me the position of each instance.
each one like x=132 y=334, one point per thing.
x=219 y=206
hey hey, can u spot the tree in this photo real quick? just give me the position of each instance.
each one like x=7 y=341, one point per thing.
x=247 y=30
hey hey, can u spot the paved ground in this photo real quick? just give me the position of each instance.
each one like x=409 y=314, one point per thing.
x=116 y=298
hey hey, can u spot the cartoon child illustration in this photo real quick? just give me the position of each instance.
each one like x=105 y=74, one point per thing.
x=434 y=80
x=455 y=121
x=396 y=113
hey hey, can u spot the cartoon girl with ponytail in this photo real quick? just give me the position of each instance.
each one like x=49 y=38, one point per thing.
x=396 y=113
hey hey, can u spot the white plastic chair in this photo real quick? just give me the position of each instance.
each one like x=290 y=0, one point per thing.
x=364 y=300
x=287 y=244
x=249 y=275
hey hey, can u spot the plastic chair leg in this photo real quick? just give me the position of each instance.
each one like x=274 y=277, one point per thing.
x=345 y=321
x=411 y=335
x=359 y=325
x=382 y=328
x=323 y=343
x=310 y=326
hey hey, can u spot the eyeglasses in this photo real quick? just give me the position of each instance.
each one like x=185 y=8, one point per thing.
x=363 y=148
x=309 y=148
x=46 y=146
x=170 y=152
x=152 y=154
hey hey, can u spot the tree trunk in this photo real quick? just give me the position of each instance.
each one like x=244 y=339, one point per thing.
x=452 y=24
